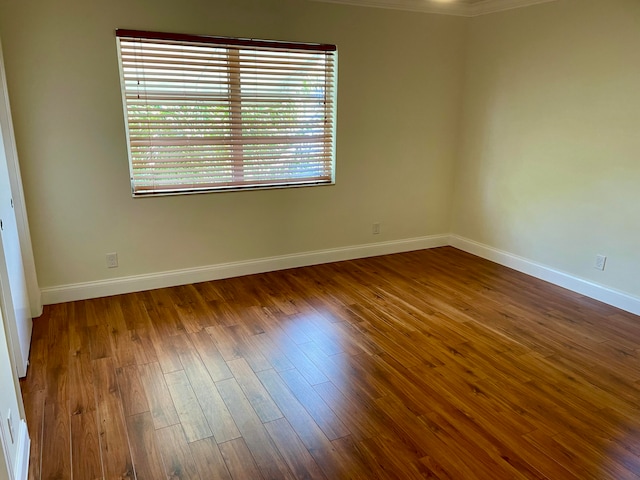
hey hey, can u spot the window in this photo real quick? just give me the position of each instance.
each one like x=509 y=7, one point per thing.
x=212 y=113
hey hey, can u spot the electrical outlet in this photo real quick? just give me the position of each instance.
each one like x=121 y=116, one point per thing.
x=601 y=261
x=112 y=260
x=12 y=433
x=375 y=229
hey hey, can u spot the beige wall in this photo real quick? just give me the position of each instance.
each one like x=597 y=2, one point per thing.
x=399 y=89
x=546 y=148
x=549 y=166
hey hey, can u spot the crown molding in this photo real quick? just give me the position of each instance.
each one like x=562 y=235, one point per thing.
x=492 y=6
x=433 y=6
x=422 y=6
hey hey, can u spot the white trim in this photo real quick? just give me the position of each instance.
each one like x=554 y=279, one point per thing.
x=616 y=298
x=17 y=193
x=493 y=6
x=433 y=6
x=22 y=455
x=409 y=5
x=136 y=283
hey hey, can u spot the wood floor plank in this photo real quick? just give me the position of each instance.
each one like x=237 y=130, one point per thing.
x=145 y=449
x=213 y=361
x=78 y=328
x=116 y=455
x=144 y=349
x=100 y=341
x=274 y=355
x=322 y=414
x=355 y=465
x=254 y=391
x=239 y=460
x=566 y=464
x=233 y=343
x=161 y=405
x=599 y=461
x=160 y=309
x=133 y=312
x=34 y=410
x=310 y=434
x=208 y=459
x=350 y=410
x=56 y=432
x=176 y=454
x=158 y=346
x=389 y=460
x=122 y=345
x=293 y=450
x=134 y=399
x=213 y=407
x=85 y=446
x=304 y=425
x=226 y=343
x=56 y=443
x=256 y=437
x=37 y=370
x=191 y=309
x=297 y=356
x=427 y=364
x=81 y=394
x=343 y=372
x=494 y=455
x=189 y=411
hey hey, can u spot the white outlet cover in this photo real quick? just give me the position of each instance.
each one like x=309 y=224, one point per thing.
x=601 y=261
x=112 y=260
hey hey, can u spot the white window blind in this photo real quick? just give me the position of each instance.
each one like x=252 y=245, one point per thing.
x=215 y=113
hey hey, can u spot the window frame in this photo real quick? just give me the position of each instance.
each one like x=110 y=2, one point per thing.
x=324 y=161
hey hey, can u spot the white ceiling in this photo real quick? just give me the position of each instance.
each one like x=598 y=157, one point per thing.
x=464 y=8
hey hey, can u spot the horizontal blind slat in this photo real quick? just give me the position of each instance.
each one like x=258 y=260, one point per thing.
x=201 y=117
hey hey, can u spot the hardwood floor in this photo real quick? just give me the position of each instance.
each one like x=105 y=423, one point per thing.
x=429 y=364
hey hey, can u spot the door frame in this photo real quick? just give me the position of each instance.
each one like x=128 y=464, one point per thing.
x=19 y=205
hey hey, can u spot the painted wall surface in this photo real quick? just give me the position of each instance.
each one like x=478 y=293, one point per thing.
x=4 y=470
x=536 y=108
x=399 y=93
x=549 y=164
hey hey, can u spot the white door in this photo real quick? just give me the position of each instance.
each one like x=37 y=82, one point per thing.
x=13 y=457
x=14 y=296
x=7 y=454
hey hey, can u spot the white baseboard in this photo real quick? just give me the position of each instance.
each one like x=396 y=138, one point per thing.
x=35 y=303
x=610 y=296
x=137 y=283
x=21 y=469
